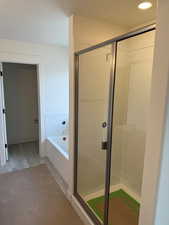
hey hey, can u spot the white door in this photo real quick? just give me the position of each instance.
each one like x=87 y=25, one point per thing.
x=3 y=133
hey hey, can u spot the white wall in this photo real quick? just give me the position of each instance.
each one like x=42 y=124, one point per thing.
x=162 y=216
x=49 y=59
x=20 y=87
x=155 y=206
x=89 y=31
x=56 y=93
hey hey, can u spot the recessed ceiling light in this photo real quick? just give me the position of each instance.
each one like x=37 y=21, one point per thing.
x=145 y=5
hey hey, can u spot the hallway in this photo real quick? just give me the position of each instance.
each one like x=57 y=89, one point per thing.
x=22 y=156
x=32 y=197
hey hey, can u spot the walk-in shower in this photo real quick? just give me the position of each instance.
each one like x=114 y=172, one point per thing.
x=113 y=82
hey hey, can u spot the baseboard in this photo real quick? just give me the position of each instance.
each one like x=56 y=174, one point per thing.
x=112 y=189
x=64 y=187
x=58 y=178
x=80 y=211
x=23 y=141
x=101 y=192
x=131 y=193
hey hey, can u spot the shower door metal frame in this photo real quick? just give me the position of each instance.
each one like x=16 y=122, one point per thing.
x=108 y=152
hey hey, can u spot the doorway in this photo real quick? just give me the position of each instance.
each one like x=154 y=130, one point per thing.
x=19 y=88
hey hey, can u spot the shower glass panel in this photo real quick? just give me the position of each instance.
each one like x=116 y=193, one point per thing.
x=93 y=102
x=131 y=102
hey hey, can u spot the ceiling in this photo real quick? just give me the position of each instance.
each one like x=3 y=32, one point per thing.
x=120 y=12
x=46 y=21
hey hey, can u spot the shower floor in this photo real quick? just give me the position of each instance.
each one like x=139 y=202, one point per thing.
x=123 y=209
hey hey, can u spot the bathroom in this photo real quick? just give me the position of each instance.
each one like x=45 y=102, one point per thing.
x=92 y=78
x=118 y=61
x=107 y=100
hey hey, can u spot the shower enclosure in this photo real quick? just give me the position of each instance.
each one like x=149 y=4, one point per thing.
x=113 y=81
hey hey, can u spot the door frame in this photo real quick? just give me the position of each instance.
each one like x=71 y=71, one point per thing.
x=41 y=129
x=4 y=150
x=114 y=42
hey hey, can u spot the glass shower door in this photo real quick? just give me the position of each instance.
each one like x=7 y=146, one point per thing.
x=113 y=87
x=131 y=103
x=93 y=106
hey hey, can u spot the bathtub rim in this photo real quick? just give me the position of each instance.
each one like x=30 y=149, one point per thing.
x=57 y=147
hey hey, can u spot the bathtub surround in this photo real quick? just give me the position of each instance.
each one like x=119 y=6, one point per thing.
x=57 y=143
x=61 y=144
x=59 y=159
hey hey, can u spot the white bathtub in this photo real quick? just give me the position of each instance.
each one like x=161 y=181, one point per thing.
x=61 y=144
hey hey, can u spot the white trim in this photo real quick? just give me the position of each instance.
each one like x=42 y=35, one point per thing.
x=3 y=151
x=22 y=141
x=131 y=193
x=40 y=83
x=80 y=211
x=101 y=221
x=4 y=116
x=71 y=101
x=101 y=192
x=112 y=189
x=57 y=147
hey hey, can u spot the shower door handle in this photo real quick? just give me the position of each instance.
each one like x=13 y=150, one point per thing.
x=104 y=142
x=104 y=145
